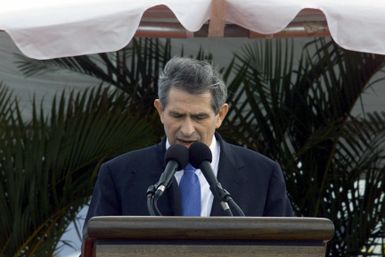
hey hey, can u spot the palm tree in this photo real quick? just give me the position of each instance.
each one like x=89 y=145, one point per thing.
x=48 y=164
x=134 y=69
x=300 y=114
x=296 y=111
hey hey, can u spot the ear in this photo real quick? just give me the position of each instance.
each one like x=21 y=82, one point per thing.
x=221 y=115
x=159 y=108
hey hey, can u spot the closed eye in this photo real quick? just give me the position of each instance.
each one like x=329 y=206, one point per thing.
x=176 y=115
x=200 y=116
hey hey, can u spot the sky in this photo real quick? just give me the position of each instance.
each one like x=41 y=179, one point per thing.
x=72 y=237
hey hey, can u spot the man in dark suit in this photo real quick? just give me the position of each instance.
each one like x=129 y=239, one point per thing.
x=191 y=106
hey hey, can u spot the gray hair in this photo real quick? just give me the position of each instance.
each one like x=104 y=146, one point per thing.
x=194 y=77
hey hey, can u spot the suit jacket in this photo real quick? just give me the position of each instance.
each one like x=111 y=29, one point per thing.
x=255 y=182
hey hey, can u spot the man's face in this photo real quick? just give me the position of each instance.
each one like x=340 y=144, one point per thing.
x=189 y=118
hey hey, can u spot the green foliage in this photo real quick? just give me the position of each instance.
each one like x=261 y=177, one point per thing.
x=300 y=115
x=297 y=111
x=48 y=164
x=134 y=69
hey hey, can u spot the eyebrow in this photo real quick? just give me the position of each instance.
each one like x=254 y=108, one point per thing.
x=192 y=115
x=201 y=114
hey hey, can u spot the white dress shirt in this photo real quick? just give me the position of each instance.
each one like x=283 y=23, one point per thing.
x=207 y=197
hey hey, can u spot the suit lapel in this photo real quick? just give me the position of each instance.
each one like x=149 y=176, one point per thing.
x=174 y=198
x=229 y=175
x=168 y=204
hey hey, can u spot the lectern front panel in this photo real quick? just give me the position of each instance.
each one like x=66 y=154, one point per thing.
x=206 y=237
x=186 y=250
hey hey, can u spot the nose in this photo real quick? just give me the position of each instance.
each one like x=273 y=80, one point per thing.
x=187 y=127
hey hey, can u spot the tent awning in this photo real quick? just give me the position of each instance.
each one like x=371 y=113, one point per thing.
x=159 y=21
x=45 y=29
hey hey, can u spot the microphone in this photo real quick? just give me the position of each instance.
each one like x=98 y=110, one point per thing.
x=200 y=158
x=176 y=158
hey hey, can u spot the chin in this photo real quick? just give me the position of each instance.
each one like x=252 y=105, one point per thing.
x=186 y=144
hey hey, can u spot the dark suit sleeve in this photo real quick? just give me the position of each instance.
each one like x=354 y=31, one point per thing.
x=277 y=203
x=105 y=200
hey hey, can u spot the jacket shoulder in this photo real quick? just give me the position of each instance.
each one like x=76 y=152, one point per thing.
x=134 y=159
x=249 y=156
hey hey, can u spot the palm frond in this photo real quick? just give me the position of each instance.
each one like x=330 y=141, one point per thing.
x=299 y=113
x=134 y=69
x=48 y=165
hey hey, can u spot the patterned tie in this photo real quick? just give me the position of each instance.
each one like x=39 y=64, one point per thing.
x=190 y=191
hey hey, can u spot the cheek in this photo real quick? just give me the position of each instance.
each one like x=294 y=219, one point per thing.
x=169 y=126
x=161 y=117
x=209 y=128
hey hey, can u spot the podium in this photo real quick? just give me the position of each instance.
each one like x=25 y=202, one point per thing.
x=118 y=236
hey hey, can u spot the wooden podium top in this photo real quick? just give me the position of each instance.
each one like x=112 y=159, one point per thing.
x=209 y=228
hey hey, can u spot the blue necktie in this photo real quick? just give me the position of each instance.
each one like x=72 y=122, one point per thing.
x=190 y=191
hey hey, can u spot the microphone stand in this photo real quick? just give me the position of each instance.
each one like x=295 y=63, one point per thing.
x=152 y=206
x=226 y=200
x=224 y=197
x=233 y=204
x=176 y=157
x=221 y=194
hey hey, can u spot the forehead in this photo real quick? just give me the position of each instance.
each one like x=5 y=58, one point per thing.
x=180 y=100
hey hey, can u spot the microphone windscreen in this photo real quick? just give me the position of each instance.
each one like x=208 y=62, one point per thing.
x=177 y=153
x=199 y=152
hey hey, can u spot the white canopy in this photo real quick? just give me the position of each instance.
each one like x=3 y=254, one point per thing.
x=44 y=29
